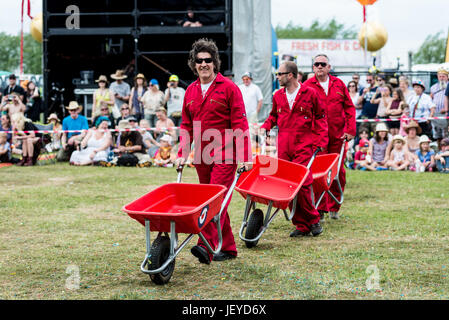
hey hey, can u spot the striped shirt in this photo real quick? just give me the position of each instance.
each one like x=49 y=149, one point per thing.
x=438 y=97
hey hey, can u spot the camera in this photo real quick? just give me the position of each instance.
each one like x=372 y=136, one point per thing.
x=10 y=97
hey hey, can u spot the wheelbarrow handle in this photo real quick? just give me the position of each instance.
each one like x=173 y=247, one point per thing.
x=318 y=149
x=179 y=171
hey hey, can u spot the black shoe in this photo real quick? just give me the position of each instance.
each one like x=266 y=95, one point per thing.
x=316 y=229
x=298 y=233
x=221 y=256
x=201 y=254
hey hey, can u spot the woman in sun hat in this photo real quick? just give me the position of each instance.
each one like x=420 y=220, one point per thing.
x=102 y=94
x=413 y=131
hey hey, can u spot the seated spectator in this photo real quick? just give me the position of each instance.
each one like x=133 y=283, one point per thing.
x=378 y=146
x=95 y=145
x=124 y=113
x=399 y=156
x=6 y=126
x=394 y=111
x=5 y=148
x=165 y=157
x=55 y=143
x=152 y=100
x=104 y=112
x=270 y=145
x=442 y=157
x=425 y=160
x=363 y=134
x=412 y=138
x=360 y=159
x=150 y=144
x=133 y=122
x=131 y=149
x=29 y=141
x=12 y=104
x=71 y=140
x=190 y=19
x=164 y=125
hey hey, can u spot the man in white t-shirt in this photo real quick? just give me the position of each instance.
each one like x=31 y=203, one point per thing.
x=174 y=97
x=252 y=97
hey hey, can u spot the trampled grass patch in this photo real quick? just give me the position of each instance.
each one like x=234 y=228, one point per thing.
x=57 y=222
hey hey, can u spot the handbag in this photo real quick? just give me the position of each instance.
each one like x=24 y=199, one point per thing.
x=127 y=160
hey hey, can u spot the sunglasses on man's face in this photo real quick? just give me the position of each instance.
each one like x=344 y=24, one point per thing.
x=123 y=109
x=281 y=73
x=200 y=61
x=317 y=64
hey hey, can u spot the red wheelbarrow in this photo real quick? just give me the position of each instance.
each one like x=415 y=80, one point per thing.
x=177 y=208
x=325 y=169
x=273 y=182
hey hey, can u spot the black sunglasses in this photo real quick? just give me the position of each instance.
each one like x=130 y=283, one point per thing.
x=281 y=73
x=317 y=64
x=200 y=61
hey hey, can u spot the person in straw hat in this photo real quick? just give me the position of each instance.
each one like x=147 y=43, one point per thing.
x=378 y=147
x=413 y=131
x=100 y=95
x=425 y=156
x=55 y=143
x=399 y=156
x=71 y=140
x=137 y=92
x=437 y=93
x=120 y=88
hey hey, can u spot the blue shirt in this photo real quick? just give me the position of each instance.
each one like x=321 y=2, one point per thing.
x=369 y=109
x=425 y=158
x=79 y=123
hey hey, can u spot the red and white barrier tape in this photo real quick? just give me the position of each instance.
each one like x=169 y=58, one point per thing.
x=399 y=119
x=84 y=130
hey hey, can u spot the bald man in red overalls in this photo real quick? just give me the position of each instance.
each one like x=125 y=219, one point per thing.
x=299 y=115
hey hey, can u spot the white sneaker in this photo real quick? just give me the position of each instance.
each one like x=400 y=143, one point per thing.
x=334 y=215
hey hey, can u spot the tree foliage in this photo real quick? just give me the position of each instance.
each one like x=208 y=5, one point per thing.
x=327 y=30
x=10 y=54
x=432 y=50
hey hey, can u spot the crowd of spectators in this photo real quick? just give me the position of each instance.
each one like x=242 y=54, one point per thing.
x=145 y=120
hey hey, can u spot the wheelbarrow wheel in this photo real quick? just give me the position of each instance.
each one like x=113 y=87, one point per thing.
x=160 y=251
x=255 y=223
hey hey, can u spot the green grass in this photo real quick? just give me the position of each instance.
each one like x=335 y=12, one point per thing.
x=58 y=216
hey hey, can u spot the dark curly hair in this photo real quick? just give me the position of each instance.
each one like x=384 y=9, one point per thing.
x=204 y=45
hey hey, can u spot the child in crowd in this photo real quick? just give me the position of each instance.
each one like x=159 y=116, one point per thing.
x=442 y=157
x=361 y=158
x=150 y=143
x=363 y=134
x=164 y=157
x=5 y=148
x=399 y=156
x=378 y=147
x=270 y=145
x=404 y=119
x=55 y=143
x=425 y=160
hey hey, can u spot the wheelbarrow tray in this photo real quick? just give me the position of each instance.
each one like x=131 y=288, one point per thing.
x=272 y=179
x=190 y=206
x=324 y=169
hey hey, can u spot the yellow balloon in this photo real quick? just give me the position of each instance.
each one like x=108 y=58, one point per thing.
x=36 y=28
x=377 y=36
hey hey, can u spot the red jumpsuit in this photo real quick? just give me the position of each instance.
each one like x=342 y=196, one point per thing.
x=341 y=119
x=218 y=126
x=296 y=142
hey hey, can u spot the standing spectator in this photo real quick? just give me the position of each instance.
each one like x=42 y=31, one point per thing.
x=95 y=145
x=152 y=100
x=442 y=157
x=30 y=145
x=5 y=148
x=163 y=124
x=124 y=113
x=394 y=111
x=6 y=126
x=104 y=112
x=439 y=126
x=14 y=87
x=354 y=94
x=380 y=81
x=404 y=85
x=12 y=104
x=369 y=110
x=383 y=100
x=252 y=97
x=174 y=97
x=341 y=122
x=71 y=140
x=378 y=146
x=399 y=156
x=120 y=89
x=425 y=156
x=422 y=107
x=100 y=95
x=356 y=79
x=137 y=92
x=34 y=102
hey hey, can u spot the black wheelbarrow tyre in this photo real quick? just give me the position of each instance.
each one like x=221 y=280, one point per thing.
x=160 y=251
x=255 y=223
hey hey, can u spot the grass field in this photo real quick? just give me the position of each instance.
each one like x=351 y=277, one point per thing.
x=60 y=222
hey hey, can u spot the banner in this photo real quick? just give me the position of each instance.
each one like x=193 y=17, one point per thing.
x=342 y=53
